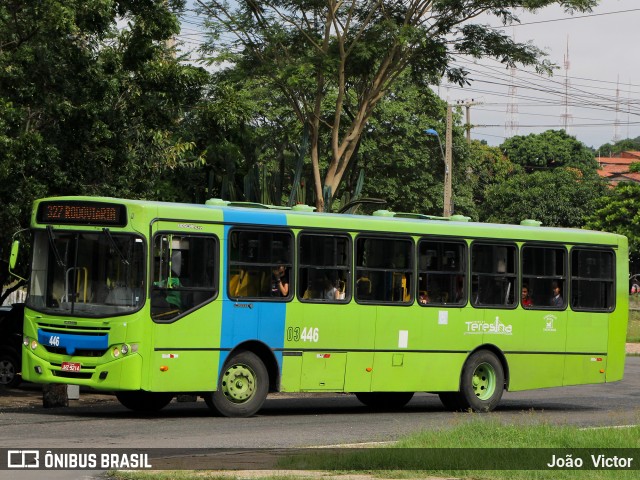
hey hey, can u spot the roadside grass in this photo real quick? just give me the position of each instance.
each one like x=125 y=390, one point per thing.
x=410 y=457
x=489 y=434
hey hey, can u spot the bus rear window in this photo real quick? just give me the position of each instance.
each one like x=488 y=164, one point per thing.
x=592 y=280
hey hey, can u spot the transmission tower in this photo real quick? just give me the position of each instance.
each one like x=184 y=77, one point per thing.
x=511 y=126
x=616 y=125
x=567 y=118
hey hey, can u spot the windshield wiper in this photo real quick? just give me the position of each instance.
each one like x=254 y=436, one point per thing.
x=115 y=246
x=52 y=242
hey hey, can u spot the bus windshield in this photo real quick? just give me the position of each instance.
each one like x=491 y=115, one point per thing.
x=89 y=274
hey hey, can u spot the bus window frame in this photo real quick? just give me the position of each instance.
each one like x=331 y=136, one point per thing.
x=384 y=236
x=496 y=242
x=291 y=265
x=216 y=275
x=613 y=251
x=465 y=271
x=350 y=267
x=567 y=277
x=78 y=229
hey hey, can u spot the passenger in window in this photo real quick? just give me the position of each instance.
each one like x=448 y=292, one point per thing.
x=556 y=300
x=526 y=300
x=314 y=290
x=423 y=298
x=329 y=291
x=279 y=282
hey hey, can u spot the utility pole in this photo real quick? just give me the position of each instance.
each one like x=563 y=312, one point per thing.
x=448 y=200
x=468 y=104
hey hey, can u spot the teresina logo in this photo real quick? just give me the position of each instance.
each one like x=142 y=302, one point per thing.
x=495 y=328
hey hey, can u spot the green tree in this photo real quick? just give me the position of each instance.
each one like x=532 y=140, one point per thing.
x=548 y=150
x=335 y=61
x=487 y=167
x=560 y=198
x=619 y=212
x=86 y=107
x=611 y=149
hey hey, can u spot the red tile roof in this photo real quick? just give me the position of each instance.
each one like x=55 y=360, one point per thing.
x=615 y=168
x=635 y=177
x=616 y=161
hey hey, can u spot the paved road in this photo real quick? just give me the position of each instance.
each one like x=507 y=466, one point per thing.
x=295 y=421
x=310 y=420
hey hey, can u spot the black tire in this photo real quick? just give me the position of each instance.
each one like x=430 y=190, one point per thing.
x=482 y=382
x=242 y=387
x=9 y=370
x=385 y=400
x=144 y=402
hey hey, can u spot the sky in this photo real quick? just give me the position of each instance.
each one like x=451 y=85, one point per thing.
x=603 y=94
x=598 y=97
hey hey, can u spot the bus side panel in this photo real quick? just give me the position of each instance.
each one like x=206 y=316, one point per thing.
x=619 y=319
x=587 y=338
x=583 y=369
x=262 y=321
x=420 y=348
x=529 y=371
x=335 y=345
x=417 y=371
x=184 y=358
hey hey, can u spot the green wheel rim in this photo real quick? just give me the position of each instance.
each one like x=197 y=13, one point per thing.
x=239 y=383
x=484 y=381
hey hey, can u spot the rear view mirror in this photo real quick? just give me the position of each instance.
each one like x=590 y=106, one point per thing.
x=15 y=248
x=13 y=259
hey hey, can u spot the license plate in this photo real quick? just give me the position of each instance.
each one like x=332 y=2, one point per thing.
x=70 y=367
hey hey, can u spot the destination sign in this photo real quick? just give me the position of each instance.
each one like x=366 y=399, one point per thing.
x=77 y=212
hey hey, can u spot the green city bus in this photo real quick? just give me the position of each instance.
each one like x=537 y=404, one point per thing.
x=231 y=301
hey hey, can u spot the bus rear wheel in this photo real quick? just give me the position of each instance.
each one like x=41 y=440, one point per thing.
x=144 y=402
x=242 y=387
x=385 y=400
x=482 y=382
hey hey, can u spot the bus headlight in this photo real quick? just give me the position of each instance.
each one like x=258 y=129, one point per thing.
x=124 y=349
x=30 y=342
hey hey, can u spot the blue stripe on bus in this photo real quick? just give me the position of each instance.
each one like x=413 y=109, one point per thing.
x=265 y=321
x=71 y=342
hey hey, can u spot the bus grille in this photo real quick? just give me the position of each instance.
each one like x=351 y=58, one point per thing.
x=49 y=327
x=77 y=353
x=79 y=375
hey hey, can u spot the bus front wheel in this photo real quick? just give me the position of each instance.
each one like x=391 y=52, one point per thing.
x=242 y=387
x=386 y=400
x=144 y=402
x=481 y=383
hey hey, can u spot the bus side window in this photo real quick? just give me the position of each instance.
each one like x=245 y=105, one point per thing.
x=253 y=256
x=441 y=272
x=387 y=264
x=184 y=274
x=493 y=271
x=324 y=268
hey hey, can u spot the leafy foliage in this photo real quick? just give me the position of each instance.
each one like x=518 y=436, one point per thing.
x=548 y=150
x=619 y=212
x=628 y=144
x=85 y=107
x=335 y=61
x=559 y=198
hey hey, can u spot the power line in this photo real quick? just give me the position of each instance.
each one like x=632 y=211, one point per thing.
x=576 y=17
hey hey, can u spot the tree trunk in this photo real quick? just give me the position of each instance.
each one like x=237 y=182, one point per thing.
x=54 y=395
